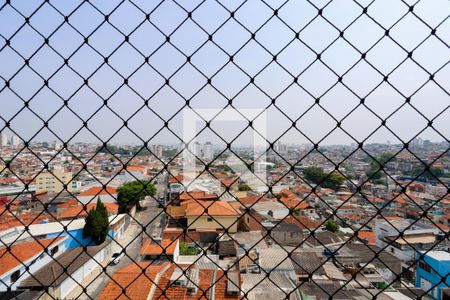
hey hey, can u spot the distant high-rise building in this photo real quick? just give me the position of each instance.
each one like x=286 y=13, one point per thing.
x=57 y=145
x=208 y=152
x=280 y=147
x=417 y=143
x=3 y=139
x=15 y=140
x=197 y=149
x=157 y=150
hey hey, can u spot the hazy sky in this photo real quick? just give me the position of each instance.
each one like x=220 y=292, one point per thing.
x=250 y=55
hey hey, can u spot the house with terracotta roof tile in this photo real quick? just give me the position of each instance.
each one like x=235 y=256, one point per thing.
x=166 y=250
x=81 y=211
x=135 y=281
x=65 y=277
x=31 y=254
x=212 y=215
x=161 y=280
x=106 y=195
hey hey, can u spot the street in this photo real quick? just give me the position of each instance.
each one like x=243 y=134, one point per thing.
x=151 y=218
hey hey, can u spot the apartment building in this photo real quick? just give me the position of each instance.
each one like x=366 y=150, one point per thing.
x=53 y=182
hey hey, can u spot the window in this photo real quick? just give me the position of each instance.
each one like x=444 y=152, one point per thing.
x=210 y=219
x=54 y=250
x=424 y=266
x=15 y=276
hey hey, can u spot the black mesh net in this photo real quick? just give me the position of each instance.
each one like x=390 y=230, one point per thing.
x=240 y=149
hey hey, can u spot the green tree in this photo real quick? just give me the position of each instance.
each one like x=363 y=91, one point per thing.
x=331 y=225
x=432 y=173
x=130 y=193
x=244 y=187
x=186 y=250
x=374 y=172
x=314 y=174
x=97 y=223
x=318 y=176
x=334 y=181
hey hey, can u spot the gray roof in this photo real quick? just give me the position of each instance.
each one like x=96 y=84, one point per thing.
x=367 y=253
x=277 y=285
x=308 y=263
x=324 y=290
x=227 y=248
x=208 y=262
x=53 y=274
x=251 y=239
x=323 y=238
x=275 y=259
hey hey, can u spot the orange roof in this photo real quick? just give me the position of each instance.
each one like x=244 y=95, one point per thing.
x=290 y=199
x=22 y=253
x=369 y=236
x=205 y=280
x=400 y=200
x=253 y=199
x=220 y=287
x=392 y=218
x=236 y=205
x=228 y=182
x=347 y=206
x=220 y=175
x=302 y=222
x=176 y=179
x=134 y=280
x=211 y=208
x=98 y=190
x=7 y=180
x=196 y=195
x=295 y=202
x=377 y=200
x=7 y=220
x=167 y=247
x=442 y=227
x=352 y=216
x=302 y=189
x=79 y=211
x=136 y=168
x=69 y=203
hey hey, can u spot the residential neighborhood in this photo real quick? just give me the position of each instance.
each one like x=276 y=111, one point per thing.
x=212 y=234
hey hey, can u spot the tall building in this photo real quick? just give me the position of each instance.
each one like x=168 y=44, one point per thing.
x=3 y=139
x=208 y=153
x=157 y=150
x=196 y=149
x=279 y=147
x=53 y=182
x=57 y=145
x=15 y=140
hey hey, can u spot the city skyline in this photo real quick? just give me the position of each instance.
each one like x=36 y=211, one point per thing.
x=225 y=149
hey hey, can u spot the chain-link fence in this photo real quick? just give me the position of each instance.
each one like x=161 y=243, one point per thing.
x=239 y=149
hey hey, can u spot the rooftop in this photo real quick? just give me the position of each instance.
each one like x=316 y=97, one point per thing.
x=53 y=274
x=166 y=247
x=439 y=255
x=22 y=252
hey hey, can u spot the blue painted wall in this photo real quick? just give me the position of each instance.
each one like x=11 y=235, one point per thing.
x=438 y=270
x=75 y=238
